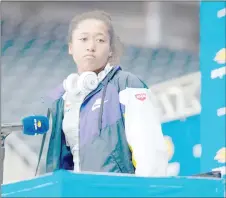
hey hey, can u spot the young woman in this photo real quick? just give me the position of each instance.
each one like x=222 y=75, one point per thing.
x=88 y=119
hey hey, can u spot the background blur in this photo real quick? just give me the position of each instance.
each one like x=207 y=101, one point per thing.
x=161 y=46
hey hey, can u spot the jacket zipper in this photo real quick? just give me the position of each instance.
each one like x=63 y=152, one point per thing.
x=85 y=99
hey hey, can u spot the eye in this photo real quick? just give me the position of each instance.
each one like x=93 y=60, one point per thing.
x=83 y=39
x=100 y=40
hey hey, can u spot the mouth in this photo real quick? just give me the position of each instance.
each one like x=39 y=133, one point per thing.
x=89 y=56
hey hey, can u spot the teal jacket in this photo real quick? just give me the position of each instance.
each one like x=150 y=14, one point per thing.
x=103 y=144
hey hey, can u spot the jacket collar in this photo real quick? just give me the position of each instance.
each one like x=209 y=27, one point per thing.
x=58 y=92
x=104 y=82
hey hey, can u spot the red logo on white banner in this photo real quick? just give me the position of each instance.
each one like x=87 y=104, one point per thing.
x=141 y=96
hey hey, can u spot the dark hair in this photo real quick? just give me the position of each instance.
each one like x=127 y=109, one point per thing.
x=116 y=45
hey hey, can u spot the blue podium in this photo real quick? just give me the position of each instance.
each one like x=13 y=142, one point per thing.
x=68 y=184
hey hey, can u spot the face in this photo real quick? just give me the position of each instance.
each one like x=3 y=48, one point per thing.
x=90 y=46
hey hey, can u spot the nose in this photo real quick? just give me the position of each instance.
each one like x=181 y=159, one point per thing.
x=91 y=46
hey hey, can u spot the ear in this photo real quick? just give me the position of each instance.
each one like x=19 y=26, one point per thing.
x=70 y=48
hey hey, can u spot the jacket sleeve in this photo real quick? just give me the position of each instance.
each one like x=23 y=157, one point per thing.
x=41 y=164
x=50 y=102
x=143 y=129
x=62 y=156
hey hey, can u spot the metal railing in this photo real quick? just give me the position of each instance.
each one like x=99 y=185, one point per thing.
x=178 y=98
x=16 y=155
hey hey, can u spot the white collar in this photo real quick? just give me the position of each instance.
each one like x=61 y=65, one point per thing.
x=104 y=72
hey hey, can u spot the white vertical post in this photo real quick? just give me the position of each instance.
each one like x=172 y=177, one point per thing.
x=153 y=23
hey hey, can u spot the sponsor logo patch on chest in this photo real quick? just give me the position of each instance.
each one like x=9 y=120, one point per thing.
x=141 y=96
